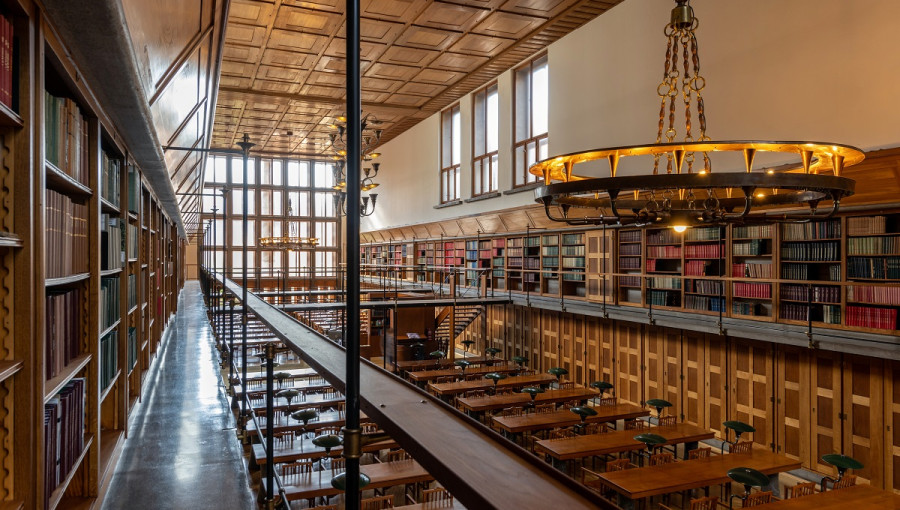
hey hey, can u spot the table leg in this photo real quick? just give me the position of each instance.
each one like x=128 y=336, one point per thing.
x=688 y=447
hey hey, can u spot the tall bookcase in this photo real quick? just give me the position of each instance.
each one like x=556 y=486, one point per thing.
x=73 y=301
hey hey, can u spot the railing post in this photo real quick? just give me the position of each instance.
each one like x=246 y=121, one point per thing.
x=270 y=425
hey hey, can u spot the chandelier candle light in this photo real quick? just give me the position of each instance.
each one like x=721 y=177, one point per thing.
x=684 y=195
x=371 y=136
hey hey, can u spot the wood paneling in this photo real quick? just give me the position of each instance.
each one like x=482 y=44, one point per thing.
x=891 y=413
x=628 y=362
x=716 y=397
x=792 y=403
x=751 y=381
x=825 y=385
x=695 y=378
x=862 y=416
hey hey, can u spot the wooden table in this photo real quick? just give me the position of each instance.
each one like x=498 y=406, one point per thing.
x=318 y=400
x=254 y=375
x=858 y=496
x=307 y=450
x=633 y=485
x=301 y=385
x=325 y=419
x=383 y=474
x=428 y=375
x=477 y=405
x=443 y=362
x=518 y=381
x=620 y=441
x=564 y=418
x=456 y=505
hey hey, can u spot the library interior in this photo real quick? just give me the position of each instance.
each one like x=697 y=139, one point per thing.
x=449 y=254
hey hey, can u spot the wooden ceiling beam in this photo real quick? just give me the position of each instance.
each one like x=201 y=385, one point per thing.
x=244 y=94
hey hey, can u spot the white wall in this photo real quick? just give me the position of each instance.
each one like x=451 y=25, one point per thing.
x=823 y=70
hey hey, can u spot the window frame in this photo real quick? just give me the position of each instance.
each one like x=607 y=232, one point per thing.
x=483 y=160
x=532 y=139
x=449 y=175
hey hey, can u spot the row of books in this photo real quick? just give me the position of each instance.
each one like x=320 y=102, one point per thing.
x=874 y=295
x=532 y=263
x=815 y=293
x=66 y=137
x=109 y=358
x=871 y=317
x=753 y=232
x=515 y=252
x=701 y=268
x=704 y=234
x=131 y=246
x=630 y=281
x=864 y=225
x=659 y=264
x=664 y=282
x=570 y=239
x=881 y=268
x=63 y=339
x=829 y=314
x=751 y=247
x=665 y=236
x=63 y=434
x=703 y=287
x=134 y=189
x=704 y=303
x=550 y=262
x=830 y=229
x=550 y=250
x=703 y=251
x=132 y=348
x=132 y=291
x=6 y=62
x=669 y=252
x=550 y=240
x=826 y=250
x=752 y=290
x=752 y=309
x=629 y=236
x=570 y=276
x=110 y=242
x=800 y=271
x=574 y=251
x=573 y=262
x=884 y=245
x=630 y=249
x=751 y=270
x=658 y=298
x=110 y=169
x=109 y=301
x=66 y=236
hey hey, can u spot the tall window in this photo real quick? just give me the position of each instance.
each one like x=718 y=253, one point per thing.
x=487 y=116
x=451 y=151
x=531 y=118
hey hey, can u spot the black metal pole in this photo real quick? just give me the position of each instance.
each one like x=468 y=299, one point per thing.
x=354 y=106
x=245 y=145
x=214 y=290
x=270 y=424
x=231 y=349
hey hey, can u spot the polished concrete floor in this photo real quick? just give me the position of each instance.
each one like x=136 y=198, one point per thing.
x=181 y=450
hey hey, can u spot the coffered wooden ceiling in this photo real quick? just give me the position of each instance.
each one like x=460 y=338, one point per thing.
x=283 y=73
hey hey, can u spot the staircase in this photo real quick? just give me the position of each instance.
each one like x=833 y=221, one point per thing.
x=464 y=315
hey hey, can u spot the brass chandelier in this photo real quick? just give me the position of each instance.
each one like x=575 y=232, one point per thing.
x=371 y=136
x=689 y=193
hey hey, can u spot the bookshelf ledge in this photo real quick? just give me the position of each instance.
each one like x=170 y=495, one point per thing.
x=59 y=181
x=111 y=272
x=55 y=384
x=12 y=505
x=57 y=495
x=132 y=216
x=108 y=206
x=113 y=326
x=66 y=280
x=132 y=310
x=108 y=390
x=10 y=240
x=110 y=440
x=9 y=118
x=7 y=370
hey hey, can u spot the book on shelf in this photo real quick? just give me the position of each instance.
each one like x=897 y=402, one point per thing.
x=63 y=434
x=830 y=229
x=704 y=303
x=871 y=317
x=752 y=290
x=864 y=225
x=629 y=236
x=752 y=309
x=753 y=231
x=660 y=298
x=750 y=247
x=665 y=236
x=109 y=178
x=703 y=287
x=132 y=291
x=66 y=236
x=109 y=358
x=815 y=293
x=63 y=335
x=66 y=137
x=630 y=249
x=874 y=295
x=883 y=245
x=804 y=252
x=132 y=244
x=829 y=314
x=667 y=252
x=134 y=189
x=7 y=87
x=874 y=268
x=109 y=301
x=110 y=242
x=752 y=270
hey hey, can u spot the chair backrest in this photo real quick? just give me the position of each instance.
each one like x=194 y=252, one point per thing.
x=324 y=507
x=846 y=481
x=608 y=401
x=504 y=391
x=658 y=459
x=475 y=394
x=667 y=421
x=284 y=439
x=438 y=495
x=801 y=489
x=293 y=469
x=595 y=428
x=707 y=503
x=331 y=429
x=511 y=411
x=544 y=408
x=338 y=465
x=741 y=447
x=561 y=433
x=397 y=455
x=569 y=404
x=699 y=453
x=566 y=385
x=618 y=465
x=636 y=424
x=758 y=498
x=474 y=377
x=369 y=428
x=378 y=503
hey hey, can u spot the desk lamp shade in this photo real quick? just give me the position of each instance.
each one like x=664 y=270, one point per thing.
x=339 y=482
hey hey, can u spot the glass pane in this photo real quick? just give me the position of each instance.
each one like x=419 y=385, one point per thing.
x=265 y=202
x=492 y=113
x=237 y=233
x=276 y=260
x=251 y=171
x=446 y=141
x=495 y=180
x=265 y=259
x=265 y=228
x=277 y=208
x=221 y=169
x=324 y=175
x=237 y=171
x=519 y=164
x=251 y=233
x=237 y=202
x=276 y=228
x=265 y=171
x=298 y=174
x=457 y=136
x=210 y=173
x=477 y=177
x=277 y=170
x=220 y=233
x=540 y=96
x=543 y=147
x=455 y=193
x=480 y=123
x=211 y=201
x=237 y=261
x=523 y=103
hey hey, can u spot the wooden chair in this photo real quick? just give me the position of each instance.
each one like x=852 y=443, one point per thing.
x=846 y=481
x=659 y=459
x=330 y=430
x=511 y=411
x=801 y=489
x=595 y=428
x=741 y=447
x=475 y=394
x=369 y=428
x=561 y=434
x=667 y=421
x=758 y=498
x=283 y=439
x=378 y=503
x=705 y=503
x=437 y=497
x=397 y=456
x=338 y=465
x=608 y=401
x=474 y=377
x=566 y=385
x=618 y=465
x=293 y=470
x=570 y=404
x=544 y=408
x=636 y=424
x=699 y=453
x=504 y=391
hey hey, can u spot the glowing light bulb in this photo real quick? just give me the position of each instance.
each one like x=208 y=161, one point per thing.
x=679 y=228
x=759 y=195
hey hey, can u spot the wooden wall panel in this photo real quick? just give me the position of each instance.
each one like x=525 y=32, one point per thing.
x=752 y=392
x=579 y=350
x=535 y=338
x=716 y=397
x=863 y=418
x=792 y=403
x=549 y=336
x=517 y=333
x=498 y=329
x=593 y=357
x=891 y=387
x=608 y=351
x=652 y=367
x=673 y=373
x=628 y=362
x=695 y=378
x=825 y=384
x=598 y=249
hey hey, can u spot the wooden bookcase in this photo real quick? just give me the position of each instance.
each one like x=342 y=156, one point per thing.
x=79 y=316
